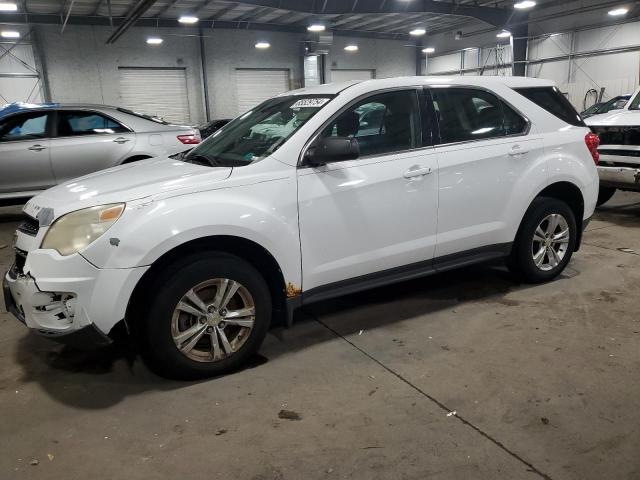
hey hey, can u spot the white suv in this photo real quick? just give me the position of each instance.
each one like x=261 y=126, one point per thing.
x=306 y=197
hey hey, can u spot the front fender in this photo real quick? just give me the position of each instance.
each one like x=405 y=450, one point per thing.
x=265 y=213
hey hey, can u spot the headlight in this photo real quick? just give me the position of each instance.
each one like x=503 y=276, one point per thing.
x=75 y=230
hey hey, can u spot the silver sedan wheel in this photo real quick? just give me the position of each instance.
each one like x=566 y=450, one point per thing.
x=213 y=320
x=550 y=242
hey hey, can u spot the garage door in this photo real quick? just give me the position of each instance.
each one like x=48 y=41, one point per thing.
x=254 y=86
x=349 y=75
x=19 y=78
x=161 y=92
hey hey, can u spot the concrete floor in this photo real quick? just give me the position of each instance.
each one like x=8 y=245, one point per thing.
x=544 y=380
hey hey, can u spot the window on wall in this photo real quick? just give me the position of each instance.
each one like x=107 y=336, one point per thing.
x=26 y=126
x=86 y=123
x=468 y=114
x=384 y=123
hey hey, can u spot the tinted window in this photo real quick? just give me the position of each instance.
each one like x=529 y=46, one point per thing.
x=24 y=127
x=554 y=102
x=635 y=103
x=384 y=123
x=86 y=123
x=468 y=114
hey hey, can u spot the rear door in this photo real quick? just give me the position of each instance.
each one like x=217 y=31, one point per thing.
x=24 y=153
x=86 y=141
x=484 y=151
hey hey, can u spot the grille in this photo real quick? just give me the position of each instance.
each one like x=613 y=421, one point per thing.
x=626 y=153
x=29 y=225
x=618 y=135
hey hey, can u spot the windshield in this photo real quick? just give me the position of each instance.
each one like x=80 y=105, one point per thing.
x=143 y=115
x=613 y=104
x=258 y=133
x=635 y=103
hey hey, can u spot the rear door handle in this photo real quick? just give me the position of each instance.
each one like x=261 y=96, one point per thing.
x=517 y=150
x=417 y=171
x=36 y=148
x=121 y=140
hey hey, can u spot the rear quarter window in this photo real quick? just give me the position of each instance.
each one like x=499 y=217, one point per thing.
x=554 y=102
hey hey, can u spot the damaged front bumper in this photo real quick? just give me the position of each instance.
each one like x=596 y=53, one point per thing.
x=67 y=298
x=620 y=177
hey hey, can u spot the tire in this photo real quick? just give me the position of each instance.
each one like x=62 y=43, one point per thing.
x=604 y=195
x=168 y=321
x=539 y=215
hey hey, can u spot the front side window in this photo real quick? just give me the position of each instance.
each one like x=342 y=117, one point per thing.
x=258 y=133
x=468 y=114
x=384 y=123
x=72 y=124
x=26 y=126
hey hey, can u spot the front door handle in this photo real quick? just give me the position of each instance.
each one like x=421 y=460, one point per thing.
x=36 y=148
x=417 y=171
x=121 y=140
x=517 y=150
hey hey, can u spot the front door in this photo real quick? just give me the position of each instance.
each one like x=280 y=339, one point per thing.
x=87 y=141
x=378 y=212
x=24 y=153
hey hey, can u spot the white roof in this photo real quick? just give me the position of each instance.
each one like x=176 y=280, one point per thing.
x=484 y=80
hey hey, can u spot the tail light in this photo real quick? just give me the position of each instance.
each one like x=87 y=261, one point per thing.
x=189 y=139
x=593 y=141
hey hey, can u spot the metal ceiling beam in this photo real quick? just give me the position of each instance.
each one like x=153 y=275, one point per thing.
x=219 y=13
x=134 y=15
x=492 y=15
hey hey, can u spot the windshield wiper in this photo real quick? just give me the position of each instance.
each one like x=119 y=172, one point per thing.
x=203 y=160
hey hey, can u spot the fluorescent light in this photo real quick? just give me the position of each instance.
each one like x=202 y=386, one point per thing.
x=188 y=19
x=416 y=32
x=8 y=7
x=316 y=28
x=524 y=4
x=154 y=41
x=616 y=12
x=428 y=50
x=351 y=48
x=9 y=34
x=263 y=45
x=504 y=34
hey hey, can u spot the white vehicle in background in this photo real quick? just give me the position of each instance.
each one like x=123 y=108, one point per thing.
x=300 y=200
x=619 y=133
x=44 y=145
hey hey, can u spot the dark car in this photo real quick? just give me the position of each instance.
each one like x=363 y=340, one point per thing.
x=212 y=127
x=615 y=103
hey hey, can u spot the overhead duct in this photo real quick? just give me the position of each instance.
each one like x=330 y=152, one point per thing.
x=318 y=43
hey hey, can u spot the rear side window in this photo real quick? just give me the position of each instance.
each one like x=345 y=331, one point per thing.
x=470 y=114
x=72 y=124
x=554 y=102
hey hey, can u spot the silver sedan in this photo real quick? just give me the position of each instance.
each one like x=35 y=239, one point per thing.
x=41 y=146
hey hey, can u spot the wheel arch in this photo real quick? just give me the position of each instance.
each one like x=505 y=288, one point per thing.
x=571 y=194
x=243 y=248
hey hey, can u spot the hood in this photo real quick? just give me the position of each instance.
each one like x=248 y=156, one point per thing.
x=615 y=118
x=125 y=183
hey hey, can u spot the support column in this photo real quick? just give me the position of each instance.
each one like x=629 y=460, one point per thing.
x=519 y=42
x=205 y=78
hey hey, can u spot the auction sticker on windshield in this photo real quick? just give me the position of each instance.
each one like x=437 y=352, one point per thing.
x=310 y=103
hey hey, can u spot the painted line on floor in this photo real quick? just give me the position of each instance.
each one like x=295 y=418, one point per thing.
x=434 y=400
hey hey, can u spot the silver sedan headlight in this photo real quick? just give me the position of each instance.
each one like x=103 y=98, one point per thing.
x=76 y=230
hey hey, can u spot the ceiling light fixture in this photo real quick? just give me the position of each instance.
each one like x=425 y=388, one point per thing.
x=524 y=4
x=188 y=19
x=154 y=41
x=351 y=48
x=9 y=34
x=504 y=34
x=8 y=7
x=416 y=32
x=616 y=12
x=263 y=45
x=428 y=50
x=316 y=27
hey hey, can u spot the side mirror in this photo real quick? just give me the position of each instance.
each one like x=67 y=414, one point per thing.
x=332 y=149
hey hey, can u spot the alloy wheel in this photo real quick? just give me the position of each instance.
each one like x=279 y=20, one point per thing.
x=550 y=242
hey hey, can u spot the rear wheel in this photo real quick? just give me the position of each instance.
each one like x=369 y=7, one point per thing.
x=545 y=242
x=208 y=316
x=605 y=194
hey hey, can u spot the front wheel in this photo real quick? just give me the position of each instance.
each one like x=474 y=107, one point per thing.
x=545 y=241
x=209 y=315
